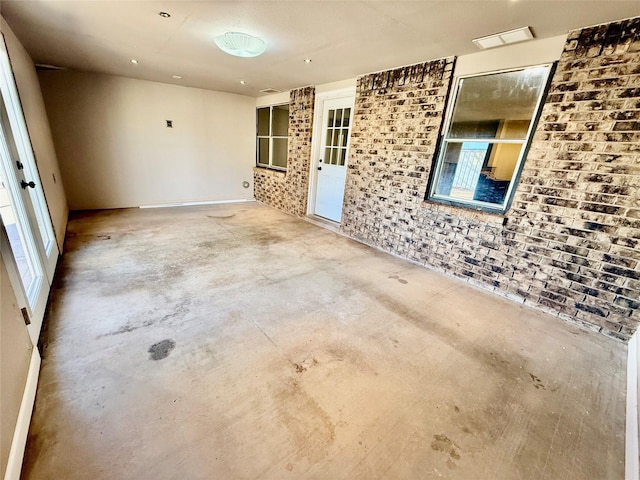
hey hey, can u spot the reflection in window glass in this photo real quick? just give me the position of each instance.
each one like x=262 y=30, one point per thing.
x=264 y=121
x=280 y=123
x=337 y=136
x=343 y=156
x=280 y=152
x=330 y=118
x=346 y=117
x=484 y=143
x=263 y=151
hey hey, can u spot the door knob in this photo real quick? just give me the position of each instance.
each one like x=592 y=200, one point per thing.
x=24 y=184
x=319 y=168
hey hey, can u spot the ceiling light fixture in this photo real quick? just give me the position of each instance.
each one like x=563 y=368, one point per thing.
x=134 y=61
x=164 y=14
x=307 y=60
x=240 y=44
x=177 y=77
x=498 y=39
x=242 y=82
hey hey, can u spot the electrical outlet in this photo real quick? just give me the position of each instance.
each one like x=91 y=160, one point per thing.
x=169 y=123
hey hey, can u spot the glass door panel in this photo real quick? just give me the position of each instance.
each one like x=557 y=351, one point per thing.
x=23 y=208
x=26 y=249
x=24 y=167
x=28 y=270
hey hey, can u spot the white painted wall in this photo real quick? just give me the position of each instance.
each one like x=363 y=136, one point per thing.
x=115 y=150
x=341 y=85
x=273 y=99
x=534 y=52
x=283 y=97
x=37 y=122
x=16 y=349
x=15 y=356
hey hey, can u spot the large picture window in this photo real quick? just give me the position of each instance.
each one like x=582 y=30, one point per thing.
x=486 y=138
x=273 y=136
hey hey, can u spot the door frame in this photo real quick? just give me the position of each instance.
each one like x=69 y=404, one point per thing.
x=30 y=205
x=316 y=139
x=38 y=212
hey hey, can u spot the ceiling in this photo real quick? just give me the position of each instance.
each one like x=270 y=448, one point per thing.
x=343 y=39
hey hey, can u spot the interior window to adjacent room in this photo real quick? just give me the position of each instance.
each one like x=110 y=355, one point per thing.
x=273 y=136
x=486 y=137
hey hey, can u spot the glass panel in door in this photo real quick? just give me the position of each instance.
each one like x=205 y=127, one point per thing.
x=28 y=272
x=22 y=162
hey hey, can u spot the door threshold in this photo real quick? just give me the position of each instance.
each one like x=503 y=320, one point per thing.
x=323 y=222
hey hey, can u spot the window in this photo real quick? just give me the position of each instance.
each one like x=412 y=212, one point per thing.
x=486 y=138
x=335 y=151
x=273 y=136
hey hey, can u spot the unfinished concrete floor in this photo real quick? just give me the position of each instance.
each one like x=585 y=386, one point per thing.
x=237 y=342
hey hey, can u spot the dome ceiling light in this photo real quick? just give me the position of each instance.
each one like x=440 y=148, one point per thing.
x=240 y=44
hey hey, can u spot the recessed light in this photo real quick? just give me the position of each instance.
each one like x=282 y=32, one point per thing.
x=307 y=60
x=242 y=82
x=134 y=61
x=164 y=14
x=177 y=77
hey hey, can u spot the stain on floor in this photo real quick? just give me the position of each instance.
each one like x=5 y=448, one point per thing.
x=310 y=427
x=287 y=351
x=400 y=280
x=537 y=382
x=161 y=350
x=442 y=443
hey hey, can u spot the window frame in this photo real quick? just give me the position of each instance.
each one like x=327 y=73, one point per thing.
x=271 y=137
x=444 y=139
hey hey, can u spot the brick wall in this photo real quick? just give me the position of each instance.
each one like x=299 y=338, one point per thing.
x=577 y=209
x=288 y=190
x=569 y=245
x=397 y=119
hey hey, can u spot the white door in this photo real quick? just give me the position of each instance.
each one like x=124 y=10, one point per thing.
x=333 y=157
x=22 y=203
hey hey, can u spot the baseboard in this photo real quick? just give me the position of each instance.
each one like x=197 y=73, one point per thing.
x=19 y=442
x=191 y=204
x=632 y=454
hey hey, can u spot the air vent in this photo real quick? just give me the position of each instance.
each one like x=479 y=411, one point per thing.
x=270 y=90
x=497 y=40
